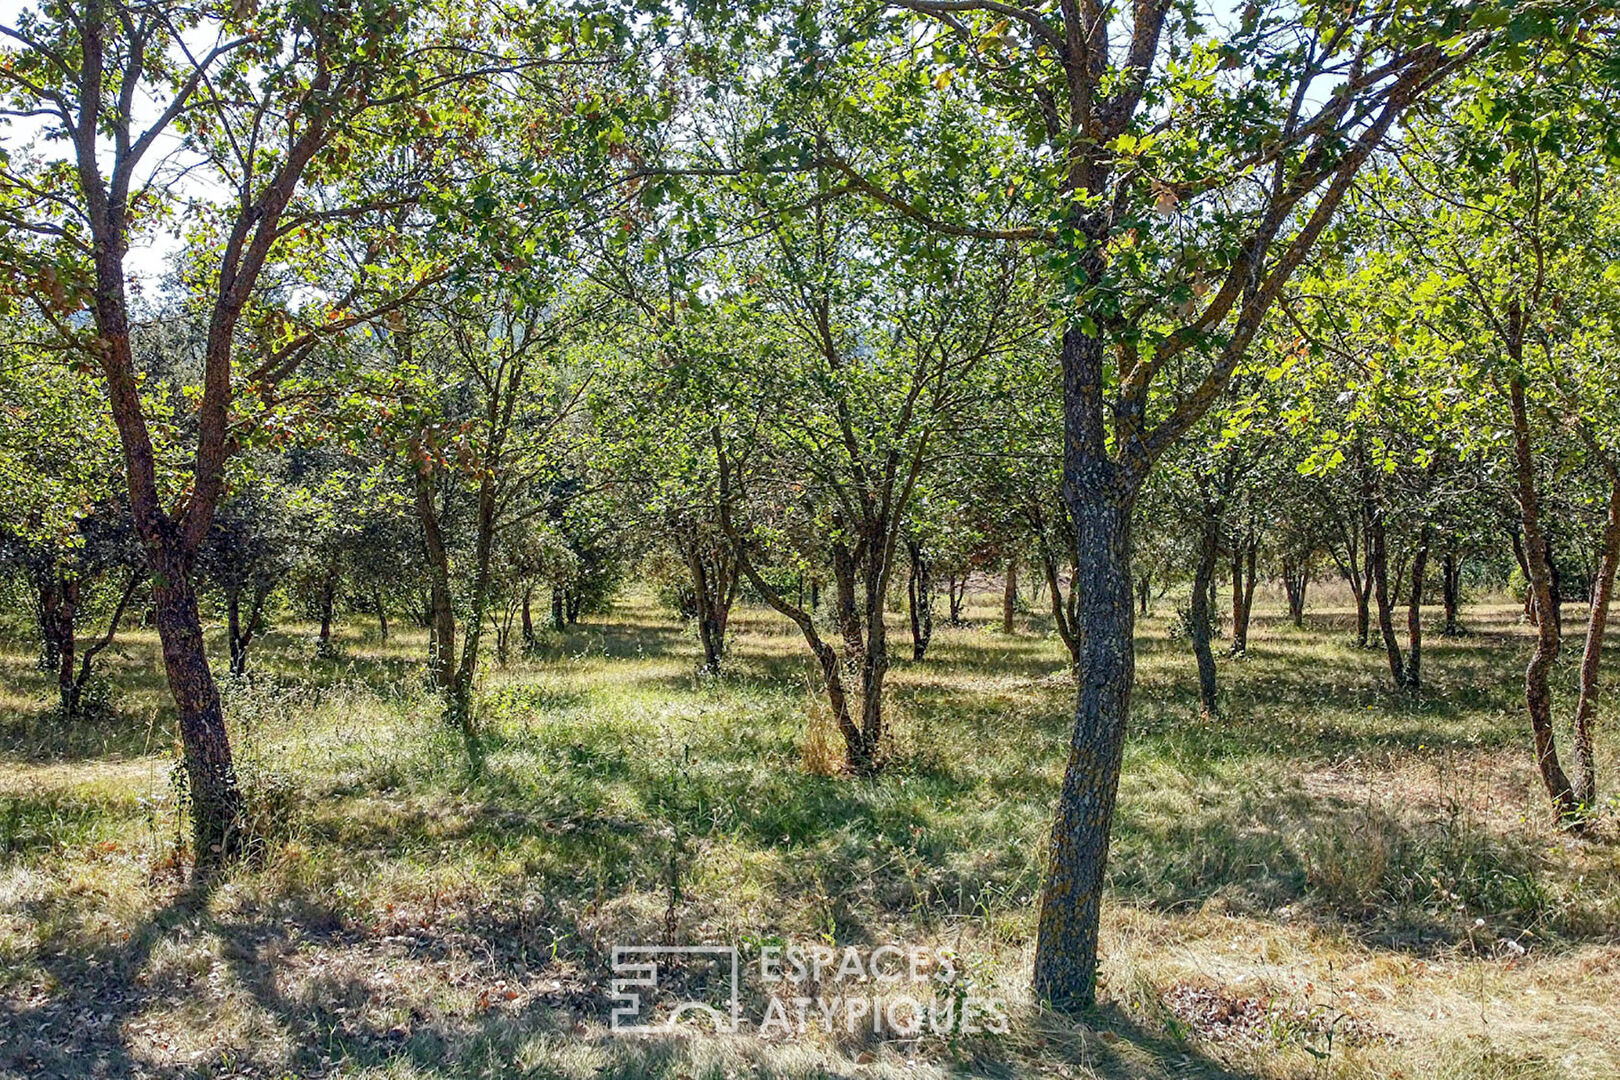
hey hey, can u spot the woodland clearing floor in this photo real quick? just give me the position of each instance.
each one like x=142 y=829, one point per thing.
x=1331 y=881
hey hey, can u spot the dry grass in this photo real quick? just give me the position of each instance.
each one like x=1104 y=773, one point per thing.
x=1333 y=882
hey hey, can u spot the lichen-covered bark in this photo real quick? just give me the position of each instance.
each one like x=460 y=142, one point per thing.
x=1099 y=497
x=1071 y=901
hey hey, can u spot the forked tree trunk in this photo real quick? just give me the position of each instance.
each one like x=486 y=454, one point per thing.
x=1363 y=594
x=1296 y=575
x=714 y=589
x=73 y=695
x=1524 y=571
x=955 y=594
x=1555 y=583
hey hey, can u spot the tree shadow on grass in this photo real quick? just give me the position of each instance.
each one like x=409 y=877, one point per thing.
x=73 y=1021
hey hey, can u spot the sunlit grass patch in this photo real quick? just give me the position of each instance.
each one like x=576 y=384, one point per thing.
x=1329 y=880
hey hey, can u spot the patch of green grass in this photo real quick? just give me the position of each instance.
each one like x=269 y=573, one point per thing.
x=406 y=915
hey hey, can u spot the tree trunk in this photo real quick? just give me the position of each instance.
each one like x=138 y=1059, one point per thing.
x=1243 y=558
x=1378 y=571
x=559 y=617
x=1524 y=570
x=442 y=628
x=1585 y=787
x=1555 y=582
x=215 y=798
x=1071 y=898
x=79 y=682
x=920 y=600
x=1414 y=614
x=1451 y=590
x=1198 y=616
x=1009 y=596
x=1144 y=591
x=48 y=602
x=382 y=613
x=529 y=640
x=67 y=613
x=1537 y=693
x=1064 y=610
x=328 y=602
x=714 y=588
x=233 y=629
x=875 y=658
x=1296 y=575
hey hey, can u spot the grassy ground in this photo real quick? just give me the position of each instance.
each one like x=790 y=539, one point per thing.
x=1332 y=882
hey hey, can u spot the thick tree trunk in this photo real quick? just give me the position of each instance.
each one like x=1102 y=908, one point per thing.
x=1585 y=787
x=215 y=798
x=1198 y=616
x=1009 y=596
x=1537 y=692
x=1071 y=898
